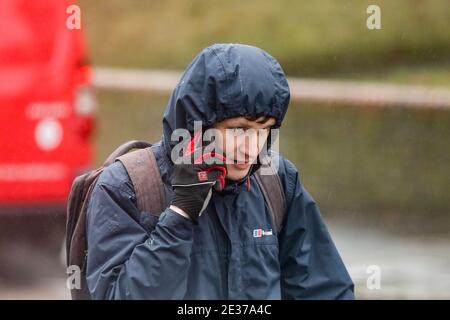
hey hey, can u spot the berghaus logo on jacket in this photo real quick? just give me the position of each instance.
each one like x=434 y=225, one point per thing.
x=258 y=233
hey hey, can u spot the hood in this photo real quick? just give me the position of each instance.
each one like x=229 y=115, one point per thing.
x=226 y=81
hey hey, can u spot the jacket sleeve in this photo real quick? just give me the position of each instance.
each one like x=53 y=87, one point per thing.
x=311 y=267
x=125 y=260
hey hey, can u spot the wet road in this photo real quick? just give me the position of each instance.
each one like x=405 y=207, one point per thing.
x=409 y=268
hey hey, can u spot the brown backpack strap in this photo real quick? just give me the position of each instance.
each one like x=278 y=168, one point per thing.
x=124 y=149
x=144 y=174
x=272 y=189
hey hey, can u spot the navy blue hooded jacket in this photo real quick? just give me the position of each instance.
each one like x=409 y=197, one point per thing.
x=135 y=255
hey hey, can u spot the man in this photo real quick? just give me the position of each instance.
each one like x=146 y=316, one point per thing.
x=203 y=246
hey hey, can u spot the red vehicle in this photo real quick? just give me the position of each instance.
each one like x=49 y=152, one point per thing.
x=46 y=104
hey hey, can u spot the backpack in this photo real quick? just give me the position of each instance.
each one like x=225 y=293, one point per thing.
x=141 y=167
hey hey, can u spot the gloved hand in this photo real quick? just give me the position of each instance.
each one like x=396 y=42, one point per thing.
x=193 y=183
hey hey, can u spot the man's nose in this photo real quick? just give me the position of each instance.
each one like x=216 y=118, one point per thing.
x=248 y=146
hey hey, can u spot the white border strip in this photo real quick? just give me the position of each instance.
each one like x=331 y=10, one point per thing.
x=303 y=90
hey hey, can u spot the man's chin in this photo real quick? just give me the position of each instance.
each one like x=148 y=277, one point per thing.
x=237 y=172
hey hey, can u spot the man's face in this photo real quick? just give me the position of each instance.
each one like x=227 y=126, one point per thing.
x=242 y=140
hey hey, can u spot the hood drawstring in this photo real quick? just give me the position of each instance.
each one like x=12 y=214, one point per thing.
x=248 y=183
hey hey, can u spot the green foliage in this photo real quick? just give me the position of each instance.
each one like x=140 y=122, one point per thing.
x=322 y=37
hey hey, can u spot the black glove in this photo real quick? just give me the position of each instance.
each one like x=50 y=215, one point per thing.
x=193 y=183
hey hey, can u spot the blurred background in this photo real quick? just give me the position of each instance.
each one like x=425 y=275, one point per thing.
x=368 y=125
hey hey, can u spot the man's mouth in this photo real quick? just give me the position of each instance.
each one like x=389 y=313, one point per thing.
x=242 y=166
